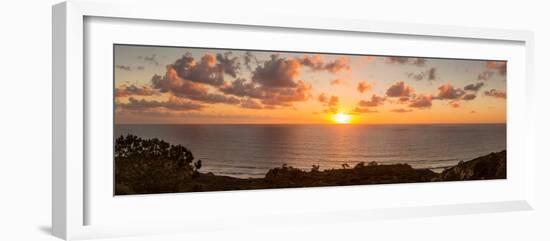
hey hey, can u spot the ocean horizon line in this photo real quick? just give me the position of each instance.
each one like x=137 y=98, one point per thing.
x=320 y=124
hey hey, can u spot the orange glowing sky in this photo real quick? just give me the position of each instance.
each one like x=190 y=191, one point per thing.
x=192 y=85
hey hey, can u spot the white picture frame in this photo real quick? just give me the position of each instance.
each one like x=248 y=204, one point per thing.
x=72 y=191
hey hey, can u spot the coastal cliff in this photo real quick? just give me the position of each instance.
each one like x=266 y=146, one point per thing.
x=492 y=166
x=154 y=166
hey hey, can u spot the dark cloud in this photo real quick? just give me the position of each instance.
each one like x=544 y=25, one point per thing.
x=209 y=69
x=241 y=87
x=140 y=67
x=485 y=75
x=468 y=97
x=374 y=101
x=398 y=60
x=172 y=83
x=274 y=83
x=399 y=89
x=363 y=86
x=174 y=103
x=229 y=65
x=277 y=72
x=407 y=60
x=403 y=99
x=150 y=59
x=416 y=76
x=316 y=63
x=401 y=110
x=421 y=101
x=429 y=75
x=123 y=67
x=474 y=87
x=493 y=67
x=249 y=59
x=448 y=92
x=268 y=95
x=133 y=90
x=496 y=93
x=340 y=64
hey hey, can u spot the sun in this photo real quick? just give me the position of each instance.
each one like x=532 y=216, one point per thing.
x=341 y=118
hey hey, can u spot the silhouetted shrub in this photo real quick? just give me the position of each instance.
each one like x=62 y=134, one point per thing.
x=151 y=165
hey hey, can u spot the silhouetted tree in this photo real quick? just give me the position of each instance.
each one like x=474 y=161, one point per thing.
x=151 y=165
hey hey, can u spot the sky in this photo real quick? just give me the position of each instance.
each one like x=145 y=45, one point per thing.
x=154 y=85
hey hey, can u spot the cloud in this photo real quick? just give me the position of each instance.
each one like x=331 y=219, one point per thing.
x=468 y=97
x=209 y=69
x=474 y=87
x=340 y=64
x=277 y=72
x=374 y=101
x=363 y=86
x=133 y=90
x=286 y=96
x=123 y=67
x=251 y=104
x=448 y=92
x=485 y=75
x=248 y=58
x=359 y=110
x=421 y=101
x=268 y=95
x=338 y=81
x=417 y=77
x=241 y=87
x=493 y=67
x=329 y=101
x=498 y=66
x=406 y=60
x=399 y=89
x=454 y=104
x=316 y=63
x=401 y=110
x=496 y=93
x=150 y=59
x=429 y=75
x=229 y=65
x=172 y=83
x=174 y=103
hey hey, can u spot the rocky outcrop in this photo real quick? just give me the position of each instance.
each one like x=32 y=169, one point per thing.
x=492 y=166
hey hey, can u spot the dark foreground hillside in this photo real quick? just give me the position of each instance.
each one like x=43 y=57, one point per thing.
x=154 y=166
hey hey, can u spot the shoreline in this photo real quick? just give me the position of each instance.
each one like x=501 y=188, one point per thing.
x=141 y=172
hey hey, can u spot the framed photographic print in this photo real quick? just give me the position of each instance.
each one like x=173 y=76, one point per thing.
x=280 y=118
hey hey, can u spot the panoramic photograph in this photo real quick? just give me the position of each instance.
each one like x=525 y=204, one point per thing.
x=192 y=119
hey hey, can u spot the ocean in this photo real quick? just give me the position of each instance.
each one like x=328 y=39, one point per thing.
x=250 y=150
